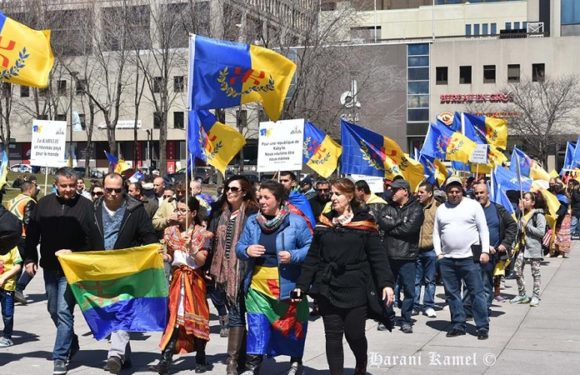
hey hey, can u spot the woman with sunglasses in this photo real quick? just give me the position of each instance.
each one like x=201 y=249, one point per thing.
x=273 y=245
x=237 y=203
x=96 y=191
x=187 y=328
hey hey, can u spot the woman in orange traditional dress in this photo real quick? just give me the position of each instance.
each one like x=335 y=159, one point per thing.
x=187 y=328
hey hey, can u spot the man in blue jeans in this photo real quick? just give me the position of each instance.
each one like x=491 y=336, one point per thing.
x=461 y=239
x=426 y=259
x=60 y=221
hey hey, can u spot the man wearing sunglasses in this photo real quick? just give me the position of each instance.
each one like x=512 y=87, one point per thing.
x=122 y=222
x=60 y=221
x=320 y=200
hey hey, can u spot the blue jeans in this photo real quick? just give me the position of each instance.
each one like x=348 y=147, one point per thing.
x=60 y=304
x=218 y=298
x=24 y=278
x=404 y=270
x=575 y=227
x=425 y=274
x=487 y=280
x=453 y=272
x=7 y=302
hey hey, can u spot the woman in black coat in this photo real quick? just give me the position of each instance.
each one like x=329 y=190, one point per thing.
x=345 y=261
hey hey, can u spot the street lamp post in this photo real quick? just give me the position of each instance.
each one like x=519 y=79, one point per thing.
x=149 y=140
x=73 y=77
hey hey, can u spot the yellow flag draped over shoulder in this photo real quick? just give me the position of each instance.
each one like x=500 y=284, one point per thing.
x=26 y=56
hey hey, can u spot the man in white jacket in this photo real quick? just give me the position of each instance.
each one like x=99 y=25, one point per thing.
x=461 y=242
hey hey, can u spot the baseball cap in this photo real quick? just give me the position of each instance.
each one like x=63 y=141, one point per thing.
x=400 y=184
x=453 y=180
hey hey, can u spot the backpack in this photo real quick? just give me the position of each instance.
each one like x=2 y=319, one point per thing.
x=10 y=230
x=546 y=238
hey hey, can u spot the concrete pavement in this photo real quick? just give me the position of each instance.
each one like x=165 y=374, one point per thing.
x=522 y=339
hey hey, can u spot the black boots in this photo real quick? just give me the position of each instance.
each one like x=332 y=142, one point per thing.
x=253 y=363
x=236 y=339
x=162 y=368
x=201 y=365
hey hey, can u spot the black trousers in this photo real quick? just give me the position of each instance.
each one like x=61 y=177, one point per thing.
x=351 y=323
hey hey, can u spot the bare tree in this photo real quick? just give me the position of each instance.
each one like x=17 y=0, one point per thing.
x=548 y=112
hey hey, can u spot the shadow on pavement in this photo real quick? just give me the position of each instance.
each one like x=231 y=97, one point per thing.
x=6 y=358
x=439 y=325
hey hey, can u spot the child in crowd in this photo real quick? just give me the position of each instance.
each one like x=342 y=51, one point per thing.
x=10 y=265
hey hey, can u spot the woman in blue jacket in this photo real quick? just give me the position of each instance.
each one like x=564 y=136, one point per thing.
x=274 y=243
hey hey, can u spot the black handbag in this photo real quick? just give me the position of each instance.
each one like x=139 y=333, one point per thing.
x=376 y=307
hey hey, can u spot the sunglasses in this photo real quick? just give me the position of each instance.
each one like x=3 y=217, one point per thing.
x=233 y=189
x=98 y=193
x=110 y=190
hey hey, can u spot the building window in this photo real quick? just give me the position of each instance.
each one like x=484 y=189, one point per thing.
x=516 y=25
x=178 y=84
x=418 y=101
x=43 y=93
x=508 y=25
x=61 y=87
x=60 y=117
x=570 y=12
x=365 y=34
x=418 y=61
x=418 y=74
x=484 y=29
x=24 y=91
x=242 y=119
x=538 y=72
x=178 y=122
x=157 y=119
x=441 y=75
x=513 y=73
x=81 y=86
x=419 y=87
x=418 y=114
x=465 y=74
x=418 y=49
x=489 y=74
x=468 y=29
x=475 y=29
x=493 y=28
x=157 y=84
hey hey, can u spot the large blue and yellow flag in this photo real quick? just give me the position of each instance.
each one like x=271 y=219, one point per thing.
x=576 y=155
x=320 y=152
x=492 y=130
x=212 y=141
x=569 y=156
x=118 y=165
x=26 y=58
x=226 y=74
x=368 y=153
x=497 y=194
x=443 y=143
x=527 y=166
x=509 y=180
x=435 y=171
x=121 y=289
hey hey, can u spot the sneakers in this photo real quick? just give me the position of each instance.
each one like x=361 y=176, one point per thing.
x=59 y=367
x=520 y=299
x=5 y=342
x=454 y=332
x=407 y=328
x=20 y=297
x=499 y=299
x=430 y=312
x=113 y=365
x=482 y=335
x=535 y=301
x=381 y=327
x=415 y=312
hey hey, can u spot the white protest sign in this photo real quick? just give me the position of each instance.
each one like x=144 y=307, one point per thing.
x=48 y=143
x=479 y=155
x=280 y=146
x=376 y=183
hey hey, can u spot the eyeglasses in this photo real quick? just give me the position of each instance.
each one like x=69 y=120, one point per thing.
x=233 y=189
x=180 y=212
x=110 y=190
x=98 y=193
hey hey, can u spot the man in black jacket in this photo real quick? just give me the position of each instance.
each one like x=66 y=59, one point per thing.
x=502 y=234
x=60 y=221
x=401 y=222
x=122 y=222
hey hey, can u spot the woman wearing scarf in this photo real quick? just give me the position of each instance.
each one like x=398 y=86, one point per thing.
x=187 y=328
x=346 y=257
x=532 y=227
x=274 y=244
x=238 y=201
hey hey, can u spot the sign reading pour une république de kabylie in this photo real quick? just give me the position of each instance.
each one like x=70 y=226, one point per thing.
x=280 y=146
x=48 y=143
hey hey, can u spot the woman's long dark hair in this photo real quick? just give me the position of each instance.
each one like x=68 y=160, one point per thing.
x=248 y=193
x=193 y=205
